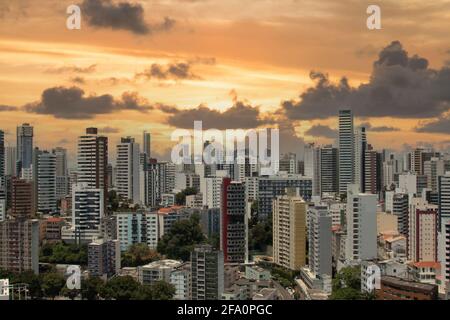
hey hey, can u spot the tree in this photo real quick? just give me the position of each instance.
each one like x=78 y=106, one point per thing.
x=70 y=293
x=52 y=283
x=139 y=254
x=260 y=235
x=120 y=288
x=63 y=253
x=180 y=197
x=162 y=290
x=347 y=285
x=182 y=238
x=91 y=287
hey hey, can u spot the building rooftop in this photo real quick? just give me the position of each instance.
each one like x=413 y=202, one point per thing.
x=405 y=283
x=167 y=263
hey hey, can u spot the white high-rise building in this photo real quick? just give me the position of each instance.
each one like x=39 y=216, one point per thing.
x=87 y=211
x=319 y=230
x=361 y=241
x=137 y=227
x=127 y=165
x=346 y=150
x=433 y=169
x=312 y=167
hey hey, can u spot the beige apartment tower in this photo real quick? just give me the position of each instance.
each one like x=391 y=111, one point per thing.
x=289 y=230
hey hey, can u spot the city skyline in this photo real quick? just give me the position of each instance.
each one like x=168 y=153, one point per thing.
x=175 y=68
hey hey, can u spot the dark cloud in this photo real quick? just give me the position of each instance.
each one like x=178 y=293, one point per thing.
x=321 y=131
x=109 y=130
x=7 y=108
x=71 y=103
x=440 y=125
x=72 y=69
x=171 y=71
x=400 y=86
x=239 y=116
x=78 y=80
x=121 y=16
x=369 y=127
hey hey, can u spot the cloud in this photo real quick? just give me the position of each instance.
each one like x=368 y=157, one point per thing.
x=175 y=70
x=440 y=125
x=321 y=131
x=369 y=127
x=7 y=108
x=239 y=116
x=72 y=69
x=109 y=130
x=400 y=86
x=78 y=80
x=72 y=103
x=121 y=16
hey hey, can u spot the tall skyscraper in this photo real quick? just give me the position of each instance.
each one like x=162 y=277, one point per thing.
x=372 y=172
x=147 y=145
x=444 y=219
x=289 y=230
x=329 y=182
x=44 y=179
x=361 y=243
x=92 y=160
x=312 y=167
x=24 y=146
x=234 y=228
x=400 y=208
x=127 y=166
x=87 y=211
x=360 y=153
x=319 y=229
x=2 y=155
x=10 y=161
x=207 y=273
x=346 y=149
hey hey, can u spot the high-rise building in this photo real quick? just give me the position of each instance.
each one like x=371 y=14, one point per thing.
x=444 y=224
x=346 y=149
x=400 y=208
x=360 y=157
x=434 y=168
x=371 y=171
x=87 y=211
x=417 y=161
x=234 y=228
x=19 y=245
x=289 y=230
x=423 y=232
x=127 y=166
x=312 y=167
x=289 y=163
x=44 y=179
x=320 y=252
x=137 y=227
x=24 y=147
x=361 y=241
x=207 y=273
x=329 y=182
x=103 y=258
x=10 y=161
x=22 y=199
x=2 y=155
x=92 y=161
x=147 y=145
x=273 y=186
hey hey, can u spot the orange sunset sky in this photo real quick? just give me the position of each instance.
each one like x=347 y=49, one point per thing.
x=158 y=65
